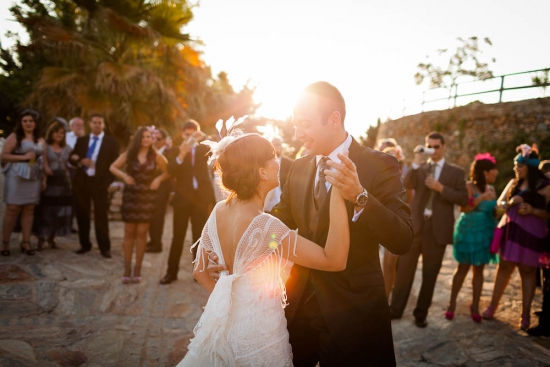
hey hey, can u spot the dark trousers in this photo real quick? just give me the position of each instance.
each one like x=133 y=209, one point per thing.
x=182 y=215
x=156 y=228
x=309 y=336
x=84 y=195
x=432 y=256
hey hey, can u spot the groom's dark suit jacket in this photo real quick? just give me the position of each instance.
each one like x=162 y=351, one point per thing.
x=353 y=302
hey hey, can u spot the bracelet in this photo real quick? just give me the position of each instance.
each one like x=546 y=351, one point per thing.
x=471 y=201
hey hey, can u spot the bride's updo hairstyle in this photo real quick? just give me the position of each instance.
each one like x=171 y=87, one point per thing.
x=240 y=163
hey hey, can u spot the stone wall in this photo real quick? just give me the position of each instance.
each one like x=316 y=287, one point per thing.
x=476 y=127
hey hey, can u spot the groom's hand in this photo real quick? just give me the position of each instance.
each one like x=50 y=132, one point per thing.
x=213 y=268
x=344 y=177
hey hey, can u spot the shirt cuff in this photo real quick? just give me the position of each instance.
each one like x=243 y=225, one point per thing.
x=178 y=160
x=356 y=215
x=415 y=166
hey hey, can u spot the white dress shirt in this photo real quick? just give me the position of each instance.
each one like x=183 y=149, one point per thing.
x=91 y=170
x=334 y=157
x=70 y=139
x=437 y=173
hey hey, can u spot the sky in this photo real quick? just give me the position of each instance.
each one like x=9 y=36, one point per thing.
x=368 y=49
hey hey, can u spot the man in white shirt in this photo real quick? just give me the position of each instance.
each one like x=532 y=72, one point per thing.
x=439 y=186
x=76 y=124
x=93 y=155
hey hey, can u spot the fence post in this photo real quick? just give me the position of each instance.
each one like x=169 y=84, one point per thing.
x=501 y=89
x=456 y=94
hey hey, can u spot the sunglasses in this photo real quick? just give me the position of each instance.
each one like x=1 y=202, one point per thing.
x=435 y=146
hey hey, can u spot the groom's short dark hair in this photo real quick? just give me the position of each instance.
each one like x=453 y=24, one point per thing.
x=333 y=97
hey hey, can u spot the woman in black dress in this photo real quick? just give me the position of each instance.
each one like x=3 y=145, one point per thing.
x=143 y=172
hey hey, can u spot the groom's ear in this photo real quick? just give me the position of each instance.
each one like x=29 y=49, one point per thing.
x=263 y=174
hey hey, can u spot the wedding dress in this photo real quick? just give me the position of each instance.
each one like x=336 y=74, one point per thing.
x=243 y=323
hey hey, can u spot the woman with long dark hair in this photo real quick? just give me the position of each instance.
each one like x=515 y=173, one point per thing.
x=25 y=167
x=54 y=214
x=474 y=231
x=144 y=170
x=524 y=230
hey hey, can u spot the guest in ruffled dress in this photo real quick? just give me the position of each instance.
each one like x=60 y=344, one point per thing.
x=524 y=230
x=24 y=165
x=53 y=215
x=474 y=231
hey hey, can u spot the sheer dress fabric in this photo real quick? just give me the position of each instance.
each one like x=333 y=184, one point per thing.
x=243 y=323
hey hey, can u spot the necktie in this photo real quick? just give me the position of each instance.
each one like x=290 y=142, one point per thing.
x=91 y=149
x=320 y=191
x=191 y=156
x=431 y=198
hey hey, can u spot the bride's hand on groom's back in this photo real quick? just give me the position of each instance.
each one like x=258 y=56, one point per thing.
x=213 y=268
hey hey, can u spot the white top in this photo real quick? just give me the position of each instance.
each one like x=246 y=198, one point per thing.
x=70 y=139
x=91 y=171
x=333 y=156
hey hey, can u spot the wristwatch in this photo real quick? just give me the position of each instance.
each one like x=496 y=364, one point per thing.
x=362 y=199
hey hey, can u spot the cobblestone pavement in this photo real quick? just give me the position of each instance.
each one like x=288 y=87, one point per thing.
x=62 y=309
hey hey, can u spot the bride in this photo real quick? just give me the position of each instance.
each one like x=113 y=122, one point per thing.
x=243 y=323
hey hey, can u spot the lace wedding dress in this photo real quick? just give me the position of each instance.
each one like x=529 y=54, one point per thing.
x=243 y=323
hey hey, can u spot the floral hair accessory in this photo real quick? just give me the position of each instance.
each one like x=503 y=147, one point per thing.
x=485 y=156
x=152 y=129
x=523 y=157
x=229 y=134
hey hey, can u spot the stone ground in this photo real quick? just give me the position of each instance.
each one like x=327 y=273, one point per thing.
x=62 y=309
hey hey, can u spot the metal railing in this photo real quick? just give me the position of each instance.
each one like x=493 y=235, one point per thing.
x=455 y=95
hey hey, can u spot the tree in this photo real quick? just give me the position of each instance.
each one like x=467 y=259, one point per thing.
x=126 y=59
x=465 y=61
x=542 y=80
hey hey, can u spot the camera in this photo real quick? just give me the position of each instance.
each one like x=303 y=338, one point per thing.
x=420 y=149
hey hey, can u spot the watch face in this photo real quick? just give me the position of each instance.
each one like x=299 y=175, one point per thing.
x=362 y=199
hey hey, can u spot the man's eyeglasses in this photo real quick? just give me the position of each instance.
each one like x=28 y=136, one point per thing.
x=435 y=146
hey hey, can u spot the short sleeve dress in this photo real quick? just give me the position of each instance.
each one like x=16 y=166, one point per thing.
x=138 y=201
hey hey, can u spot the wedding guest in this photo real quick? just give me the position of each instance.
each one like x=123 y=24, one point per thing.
x=144 y=171
x=76 y=125
x=194 y=194
x=543 y=327
x=54 y=214
x=93 y=155
x=25 y=169
x=524 y=231
x=156 y=229
x=439 y=186
x=389 y=261
x=274 y=196
x=474 y=231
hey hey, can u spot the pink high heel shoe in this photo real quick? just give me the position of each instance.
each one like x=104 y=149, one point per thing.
x=126 y=280
x=525 y=322
x=476 y=317
x=489 y=313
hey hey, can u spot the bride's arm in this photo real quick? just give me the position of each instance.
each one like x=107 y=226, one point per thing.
x=200 y=272
x=335 y=254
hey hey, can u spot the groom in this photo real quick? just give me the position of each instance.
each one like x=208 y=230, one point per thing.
x=341 y=318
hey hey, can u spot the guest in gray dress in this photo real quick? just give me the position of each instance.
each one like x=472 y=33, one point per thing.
x=53 y=216
x=24 y=165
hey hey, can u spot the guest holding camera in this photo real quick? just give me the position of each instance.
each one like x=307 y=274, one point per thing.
x=194 y=194
x=523 y=230
x=439 y=186
x=474 y=231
